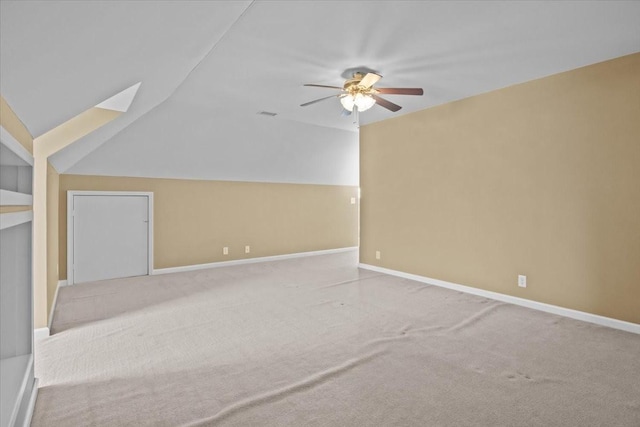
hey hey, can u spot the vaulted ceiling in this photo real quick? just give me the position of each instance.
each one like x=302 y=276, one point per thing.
x=208 y=68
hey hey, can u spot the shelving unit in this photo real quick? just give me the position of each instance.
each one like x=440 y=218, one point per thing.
x=13 y=198
x=18 y=385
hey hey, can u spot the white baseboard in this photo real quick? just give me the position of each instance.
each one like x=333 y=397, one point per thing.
x=55 y=300
x=32 y=404
x=40 y=333
x=553 y=309
x=250 y=260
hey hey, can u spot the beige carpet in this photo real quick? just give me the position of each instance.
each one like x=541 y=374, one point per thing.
x=317 y=342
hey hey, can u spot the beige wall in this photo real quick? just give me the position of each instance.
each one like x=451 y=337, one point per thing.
x=540 y=179
x=44 y=146
x=53 y=181
x=9 y=209
x=14 y=126
x=193 y=220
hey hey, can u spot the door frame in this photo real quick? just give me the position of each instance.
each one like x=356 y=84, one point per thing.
x=72 y=193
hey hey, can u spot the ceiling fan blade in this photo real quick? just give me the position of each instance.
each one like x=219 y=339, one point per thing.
x=318 y=100
x=369 y=80
x=345 y=112
x=330 y=87
x=401 y=90
x=386 y=104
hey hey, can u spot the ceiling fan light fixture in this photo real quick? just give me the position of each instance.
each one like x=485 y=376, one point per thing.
x=363 y=102
x=359 y=92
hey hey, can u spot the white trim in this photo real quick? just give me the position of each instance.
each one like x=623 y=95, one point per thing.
x=61 y=283
x=40 y=333
x=251 y=260
x=11 y=219
x=12 y=144
x=72 y=193
x=12 y=198
x=32 y=404
x=548 y=308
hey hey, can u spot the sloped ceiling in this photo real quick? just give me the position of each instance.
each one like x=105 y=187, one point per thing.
x=208 y=68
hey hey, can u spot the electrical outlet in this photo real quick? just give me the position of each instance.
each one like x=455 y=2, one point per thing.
x=522 y=281
x=377 y=254
x=225 y=251
x=247 y=249
x=353 y=200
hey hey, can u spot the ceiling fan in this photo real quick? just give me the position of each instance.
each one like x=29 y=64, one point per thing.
x=359 y=94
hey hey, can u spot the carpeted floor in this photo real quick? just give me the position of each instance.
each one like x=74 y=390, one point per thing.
x=317 y=342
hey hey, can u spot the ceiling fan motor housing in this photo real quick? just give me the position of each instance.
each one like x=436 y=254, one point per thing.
x=352 y=86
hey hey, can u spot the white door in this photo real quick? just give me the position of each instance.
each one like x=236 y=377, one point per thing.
x=110 y=237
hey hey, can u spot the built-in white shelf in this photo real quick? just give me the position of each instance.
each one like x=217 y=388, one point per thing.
x=18 y=385
x=12 y=219
x=13 y=198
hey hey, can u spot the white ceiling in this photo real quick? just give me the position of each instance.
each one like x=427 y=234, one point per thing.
x=207 y=68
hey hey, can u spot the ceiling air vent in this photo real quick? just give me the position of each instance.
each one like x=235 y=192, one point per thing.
x=267 y=113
